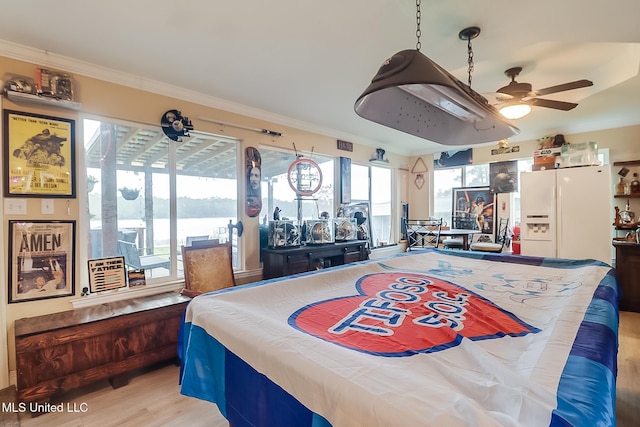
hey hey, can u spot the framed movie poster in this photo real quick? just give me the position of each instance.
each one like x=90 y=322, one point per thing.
x=504 y=176
x=473 y=209
x=39 y=156
x=41 y=260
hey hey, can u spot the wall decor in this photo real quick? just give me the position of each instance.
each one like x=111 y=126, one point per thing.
x=473 y=209
x=419 y=166
x=39 y=156
x=345 y=180
x=419 y=181
x=344 y=145
x=175 y=125
x=304 y=177
x=453 y=158
x=505 y=150
x=253 y=170
x=504 y=176
x=41 y=260
x=106 y=274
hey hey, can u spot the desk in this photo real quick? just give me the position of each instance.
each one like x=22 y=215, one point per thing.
x=460 y=232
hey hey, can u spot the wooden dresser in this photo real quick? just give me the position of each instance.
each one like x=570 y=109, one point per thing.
x=63 y=351
x=628 y=274
x=285 y=262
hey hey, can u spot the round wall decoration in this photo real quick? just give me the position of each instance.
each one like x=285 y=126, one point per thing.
x=304 y=176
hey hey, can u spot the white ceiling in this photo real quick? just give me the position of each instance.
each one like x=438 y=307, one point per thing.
x=304 y=63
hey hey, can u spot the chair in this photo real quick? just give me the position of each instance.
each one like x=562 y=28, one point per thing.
x=502 y=239
x=466 y=222
x=190 y=239
x=423 y=234
x=133 y=259
x=205 y=243
x=207 y=268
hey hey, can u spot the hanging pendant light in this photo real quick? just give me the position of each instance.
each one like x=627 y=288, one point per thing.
x=413 y=94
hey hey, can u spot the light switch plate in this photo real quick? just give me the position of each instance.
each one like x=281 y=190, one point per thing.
x=15 y=206
x=47 y=206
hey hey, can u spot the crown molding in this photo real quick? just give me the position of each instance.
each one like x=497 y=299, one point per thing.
x=75 y=66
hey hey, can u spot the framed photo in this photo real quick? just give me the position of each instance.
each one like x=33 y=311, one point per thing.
x=106 y=274
x=473 y=209
x=41 y=260
x=39 y=156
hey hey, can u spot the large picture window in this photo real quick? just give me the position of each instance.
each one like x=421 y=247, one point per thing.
x=148 y=195
x=372 y=184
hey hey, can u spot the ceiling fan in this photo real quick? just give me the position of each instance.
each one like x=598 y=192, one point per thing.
x=521 y=94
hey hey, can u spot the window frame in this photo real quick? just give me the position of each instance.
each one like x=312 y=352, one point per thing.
x=174 y=280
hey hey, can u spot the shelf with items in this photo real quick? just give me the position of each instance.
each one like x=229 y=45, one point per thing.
x=627 y=163
x=629 y=188
x=28 y=98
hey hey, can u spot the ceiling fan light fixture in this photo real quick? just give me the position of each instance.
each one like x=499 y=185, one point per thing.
x=515 y=111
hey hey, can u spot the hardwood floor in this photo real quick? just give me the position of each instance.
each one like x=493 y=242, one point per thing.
x=628 y=382
x=153 y=398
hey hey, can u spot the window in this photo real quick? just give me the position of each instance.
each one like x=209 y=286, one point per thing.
x=364 y=179
x=446 y=179
x=276 y=191
x=153 y=194
x=468 y=176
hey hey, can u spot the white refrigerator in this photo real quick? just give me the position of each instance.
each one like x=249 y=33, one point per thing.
x=567 y=213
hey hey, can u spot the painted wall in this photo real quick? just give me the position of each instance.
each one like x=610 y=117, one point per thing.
x=141 y=102
x=101 y=98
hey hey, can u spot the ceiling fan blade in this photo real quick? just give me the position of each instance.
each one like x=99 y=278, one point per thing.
x=549 y=103
x=561 y=88
x=496 y=97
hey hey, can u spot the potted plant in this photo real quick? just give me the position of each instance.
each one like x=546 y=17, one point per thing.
x=129 y=193
x=91 y=182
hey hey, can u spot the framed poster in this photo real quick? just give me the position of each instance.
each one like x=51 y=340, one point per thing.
x=106 y=274
x=504 y=176
x=345 y=180
x=39 y=156
x=41 y=260
x=473 y=209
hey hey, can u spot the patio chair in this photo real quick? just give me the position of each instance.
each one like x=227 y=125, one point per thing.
x=134 y=260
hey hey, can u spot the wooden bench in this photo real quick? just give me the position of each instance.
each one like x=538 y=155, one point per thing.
x=59 y=352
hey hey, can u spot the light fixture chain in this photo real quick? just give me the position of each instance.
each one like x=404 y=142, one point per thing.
x=470 y=60
x=418 y=32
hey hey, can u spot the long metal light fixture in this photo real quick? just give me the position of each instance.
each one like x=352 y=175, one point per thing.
x=413 y=94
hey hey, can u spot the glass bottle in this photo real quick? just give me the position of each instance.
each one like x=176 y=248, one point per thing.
x=635 y=184
x=620 y=186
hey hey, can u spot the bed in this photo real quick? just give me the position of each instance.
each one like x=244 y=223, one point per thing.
x=435 y=338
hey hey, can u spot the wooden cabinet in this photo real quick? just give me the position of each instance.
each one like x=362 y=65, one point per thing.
x=628 y=275
x=285 y=262
x=62 y=351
